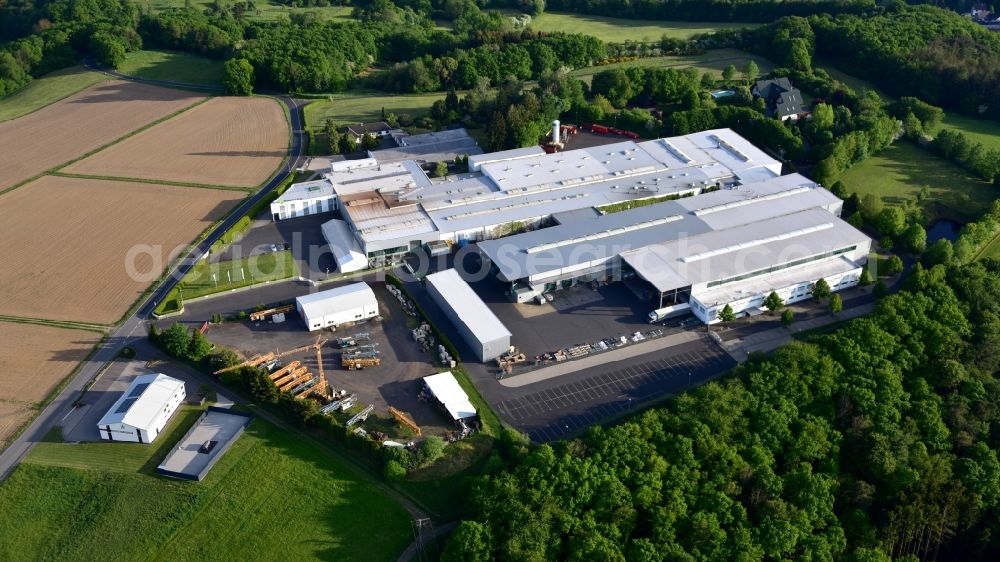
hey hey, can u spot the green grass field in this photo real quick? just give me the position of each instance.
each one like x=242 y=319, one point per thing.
x=712 y=61
x=898 y=173
x=980 y=130
x=266 y=11
x=992 y=251
x=233 y=274
x=616 y=30
x=47 y=90
x=170 y=65
x=273 y=496
x=361 y=108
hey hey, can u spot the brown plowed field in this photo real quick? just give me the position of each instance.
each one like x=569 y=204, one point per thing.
x=37 y=358
x=12 y=415
x=72 y=127
x=237 y=142
x=66 y=242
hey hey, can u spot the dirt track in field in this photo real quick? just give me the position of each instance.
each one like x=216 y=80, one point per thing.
x=233 y=142
x=66 y=242
x=72 y=127
x=37 y=358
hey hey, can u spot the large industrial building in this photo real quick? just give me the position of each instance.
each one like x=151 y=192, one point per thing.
x=480 y=328
x=141 y=413
x=714 y=222
x=350 y=303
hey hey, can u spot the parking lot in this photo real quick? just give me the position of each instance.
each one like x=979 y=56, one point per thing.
x=396 y=382
x=302 y=236
x=566 y=405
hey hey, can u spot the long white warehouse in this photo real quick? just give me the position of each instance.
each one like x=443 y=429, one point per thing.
x=477 y=324
x=349 y=303
x=141 y=413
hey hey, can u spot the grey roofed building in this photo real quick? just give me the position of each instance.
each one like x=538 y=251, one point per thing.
x=378 y=128
x=783 y=100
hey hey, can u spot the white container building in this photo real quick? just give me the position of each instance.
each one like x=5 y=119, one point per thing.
x=349 y=303
x=476 y=323
x=141 y=413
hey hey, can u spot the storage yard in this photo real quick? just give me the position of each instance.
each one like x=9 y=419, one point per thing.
x=81 y=123
x=76 y=271
x=233 y=142
x=374 y=362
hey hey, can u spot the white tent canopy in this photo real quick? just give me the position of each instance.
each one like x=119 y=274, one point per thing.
x=344 y=247
x=446 y=390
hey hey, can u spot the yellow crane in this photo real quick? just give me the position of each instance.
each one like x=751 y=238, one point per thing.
x=290 y=376
x=318 y=390
x=252 y=362
x=404 y=419
x=260 y=315
x=303 y=377
x=285 y=370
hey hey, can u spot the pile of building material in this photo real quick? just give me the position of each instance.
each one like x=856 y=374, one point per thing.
x=359 y=357
x=445 y=357
x=354 y=341
x=403 y=300
x=424 y=337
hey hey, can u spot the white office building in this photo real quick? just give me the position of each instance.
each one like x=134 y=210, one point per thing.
x=141 y=413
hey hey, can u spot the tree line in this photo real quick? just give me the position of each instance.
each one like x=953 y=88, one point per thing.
x=708 y=10
x=870 y=443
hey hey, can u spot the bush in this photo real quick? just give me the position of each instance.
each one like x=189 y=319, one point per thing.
x=432 y=448
x=394 y=472
x=787 y=317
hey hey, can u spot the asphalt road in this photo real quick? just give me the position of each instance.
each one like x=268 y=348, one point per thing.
x=135 y=325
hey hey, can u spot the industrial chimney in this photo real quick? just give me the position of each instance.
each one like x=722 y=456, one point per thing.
x=555 y=131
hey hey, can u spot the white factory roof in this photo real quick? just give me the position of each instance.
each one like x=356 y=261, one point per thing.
x=466 y=303
x=142 y=402
x=514 y=154
x=328 y=302
x=344 y=246
x=753 y=247
x=446 y=390
x=765 y=214
x=305 y=191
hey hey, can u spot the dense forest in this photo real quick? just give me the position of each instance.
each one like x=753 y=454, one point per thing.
x=878 y=440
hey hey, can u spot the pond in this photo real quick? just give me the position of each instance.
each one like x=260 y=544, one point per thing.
x=943 y=228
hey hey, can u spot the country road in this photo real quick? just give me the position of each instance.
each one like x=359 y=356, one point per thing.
x=135 y=325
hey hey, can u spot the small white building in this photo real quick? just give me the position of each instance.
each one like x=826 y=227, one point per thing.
x=446 y=390
x=349 y=303
x=302 y=199
x=141 y=413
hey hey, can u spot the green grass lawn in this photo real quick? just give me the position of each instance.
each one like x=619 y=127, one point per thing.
x=616 y=30
x=855 y=83
x=898 y=173
x=233 y=274
x=361 y=108
x=170 y=65
x=713 y=61
x=47 y=90
x=267 y=10
x=981 y=130
x=992 y=250
x=273 y=496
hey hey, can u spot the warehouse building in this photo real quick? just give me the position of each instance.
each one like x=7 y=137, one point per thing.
x=449 y=394
x=733 y=246
x=350 y=303
x=475 y=322
x=141 y=413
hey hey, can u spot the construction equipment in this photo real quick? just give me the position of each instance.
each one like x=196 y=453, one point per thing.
x=262 y=314
x=319 y=343
x=361 y=416
x=290 y=377
x=351 y=341
x=252 y=362
x=285 y=370
x=318 y=390
x=319 y=363
x=404 y=419
x=311 y=382
x=296 y=381
x=356 y=363
x=342 y=404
